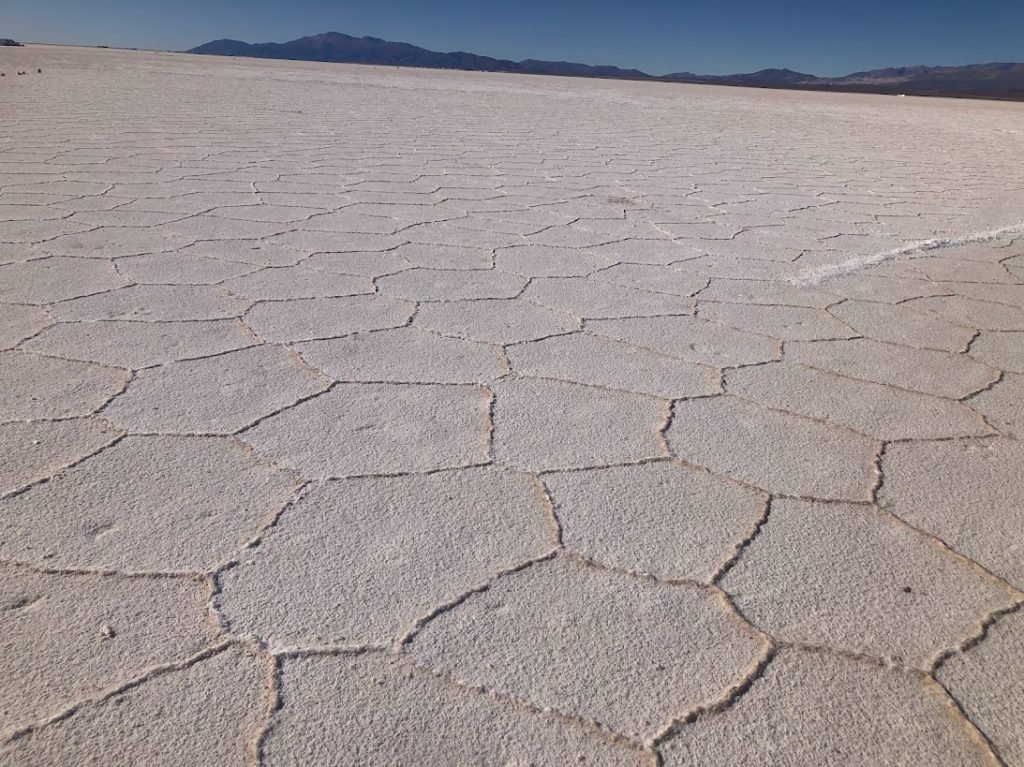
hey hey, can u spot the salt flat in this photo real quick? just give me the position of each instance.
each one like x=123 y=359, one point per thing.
x=359 y=415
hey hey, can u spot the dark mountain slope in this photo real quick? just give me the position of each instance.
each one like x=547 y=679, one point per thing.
x=975 y=80
x=340 y=48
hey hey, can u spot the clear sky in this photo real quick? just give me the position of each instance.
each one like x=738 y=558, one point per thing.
x=822 y=37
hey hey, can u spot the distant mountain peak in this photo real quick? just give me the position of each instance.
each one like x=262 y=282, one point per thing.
x=342 y=48
x=999 y=80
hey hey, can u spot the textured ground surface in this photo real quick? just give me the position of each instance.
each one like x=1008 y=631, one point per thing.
x=368 y=416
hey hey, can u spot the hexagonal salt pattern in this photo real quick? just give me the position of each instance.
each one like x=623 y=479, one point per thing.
x=766 y=293
x=983 y=315
x=494 y=321
x=153 y=303
x=988 y=681
x=877 y=410
x=453 y=285
x=657 y=279
x=372 y=415
x=294 y=282
x=788 y=323
x=584 y=359
x=548 y=261
x=691 y=339
x=357 y=429
x=48 y=387
x=147 y=504
x=668 y=520
x=65 y=630
x=407 y=716
x=216 y=395
x=312 y=318
x=405 y=355
x=47 y=280
x=124 y=727
x=366 y=264
x=1001 y=405
x=774 y=450
x=808 y=705
x=179 y=269
x=890 y=592
x=395 y=547
x=130 y=344
x=588 y=299
x=35 y=450
x=903 y=325
x=18 y=323
x=978 y=510
x=1000 y=350
x=627 y=653
x=921 y=370
x=581 y=426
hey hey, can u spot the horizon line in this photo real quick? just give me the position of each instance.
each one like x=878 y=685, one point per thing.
x=520 y=61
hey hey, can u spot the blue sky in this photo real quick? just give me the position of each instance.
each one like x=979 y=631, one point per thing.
x=658 y=36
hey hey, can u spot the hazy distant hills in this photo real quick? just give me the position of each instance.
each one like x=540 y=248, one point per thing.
x=769 y=77
x=986 y=80
x=978 y=80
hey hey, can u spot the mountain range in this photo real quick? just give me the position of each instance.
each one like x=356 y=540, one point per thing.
x=1005 y=81
x=1001 y=81
x=336 y=47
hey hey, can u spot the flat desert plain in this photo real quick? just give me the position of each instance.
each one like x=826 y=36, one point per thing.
x=371 y=416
